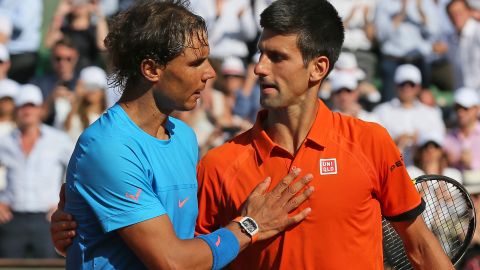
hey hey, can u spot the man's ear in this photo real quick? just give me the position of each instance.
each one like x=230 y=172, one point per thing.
x=319 y=68
x=151 y=71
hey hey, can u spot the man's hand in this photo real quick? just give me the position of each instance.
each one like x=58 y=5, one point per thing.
x=62 y=226
x=270 y=210
x=5 y=213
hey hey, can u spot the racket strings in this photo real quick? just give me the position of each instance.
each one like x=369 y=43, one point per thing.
x=447 y=214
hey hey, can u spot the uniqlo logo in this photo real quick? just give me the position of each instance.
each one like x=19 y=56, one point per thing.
x=328 y=166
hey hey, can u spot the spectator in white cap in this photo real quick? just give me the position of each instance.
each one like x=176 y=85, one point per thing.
x=464 y=46
x=430 y=158
x=35 y=157
x=244 y=99
x=8 y=91
x=345 y=97
x=463 y=142
x=90 y=102
x=347 y=63
x=405 y=117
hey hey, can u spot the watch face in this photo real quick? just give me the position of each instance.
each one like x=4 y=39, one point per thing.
x=249 y=225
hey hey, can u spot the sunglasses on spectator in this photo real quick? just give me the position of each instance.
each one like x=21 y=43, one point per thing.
x=60 y=58
x=407 y=83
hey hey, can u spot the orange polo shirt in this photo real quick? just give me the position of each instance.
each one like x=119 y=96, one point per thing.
x=358 y=176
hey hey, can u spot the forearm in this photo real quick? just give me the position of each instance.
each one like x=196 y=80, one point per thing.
x=428 y=255
x=422 y=247
x=155 y=243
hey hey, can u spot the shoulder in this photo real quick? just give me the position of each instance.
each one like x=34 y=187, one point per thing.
x=358 y=130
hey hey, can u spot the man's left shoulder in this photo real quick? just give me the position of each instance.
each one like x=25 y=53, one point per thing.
x=357 y=128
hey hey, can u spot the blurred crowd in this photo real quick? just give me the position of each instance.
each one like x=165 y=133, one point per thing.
x=412 y=66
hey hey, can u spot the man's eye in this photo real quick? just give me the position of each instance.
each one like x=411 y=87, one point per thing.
x=276 y=57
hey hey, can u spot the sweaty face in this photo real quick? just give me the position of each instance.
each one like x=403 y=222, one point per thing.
x=283 y=77
x=184 y=78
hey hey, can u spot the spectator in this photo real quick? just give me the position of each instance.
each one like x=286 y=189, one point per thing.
x=8 y=91
x=73 y=19
x=347 y=63
x=230 y=25
x=404 y=31
x=474 y=8
x=5 y=29
x=57 y=87
x=463 y=142
x=405 y=117
x=35 y=157
x=465 y=45
x=345 y=97
x=26 y=17
x=430 y=158
x=471 y=259
x=91 y=101
x=240 y=101
x=439 y=67
x=357 y=18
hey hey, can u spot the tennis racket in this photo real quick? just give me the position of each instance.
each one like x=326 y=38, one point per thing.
x=449 y=214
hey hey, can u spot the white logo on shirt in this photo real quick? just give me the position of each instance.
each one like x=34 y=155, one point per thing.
x=328 y=166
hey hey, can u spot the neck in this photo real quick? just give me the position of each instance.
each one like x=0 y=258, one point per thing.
x=143 y=111
x=468 y=129
x=289 y=126
x=407 y=104
x=30 y=131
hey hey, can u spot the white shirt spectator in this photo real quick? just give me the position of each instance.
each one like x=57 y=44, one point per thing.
x=26 y=17
x=411 y=37
x=465 y=55
x=33 y=181
x=418 y=119
x=355 y=36
x=228 y=33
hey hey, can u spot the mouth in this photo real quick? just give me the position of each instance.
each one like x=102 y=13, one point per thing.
x=267 y=87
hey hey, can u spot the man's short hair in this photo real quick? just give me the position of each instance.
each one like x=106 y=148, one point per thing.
x=151 y=29
x=66 y=42
x=316 y=22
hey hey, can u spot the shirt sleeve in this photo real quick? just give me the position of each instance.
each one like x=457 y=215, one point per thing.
x=113 y=180
x=399 y=199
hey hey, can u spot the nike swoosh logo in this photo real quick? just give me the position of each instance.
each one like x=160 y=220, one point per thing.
x=135 y=198
x=218 y=241
x=181 y=203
